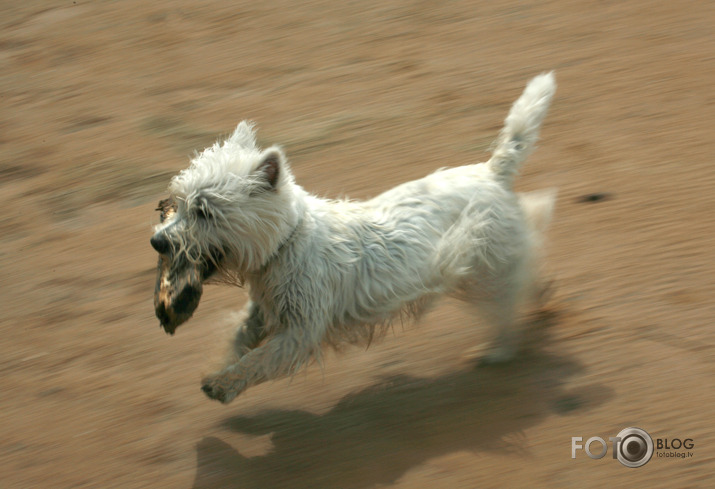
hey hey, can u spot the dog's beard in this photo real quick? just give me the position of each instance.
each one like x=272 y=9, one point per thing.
x=225 y=276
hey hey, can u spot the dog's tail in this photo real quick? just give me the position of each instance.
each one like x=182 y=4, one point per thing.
x=521 y=128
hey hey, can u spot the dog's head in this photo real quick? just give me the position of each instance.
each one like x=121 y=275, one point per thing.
x=228 y=213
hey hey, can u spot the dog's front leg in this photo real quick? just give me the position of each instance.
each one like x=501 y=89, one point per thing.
x=249 y=334
x=282 y=355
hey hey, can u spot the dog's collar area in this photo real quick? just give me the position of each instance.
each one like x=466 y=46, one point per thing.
x=290 y=236
x=284 y=242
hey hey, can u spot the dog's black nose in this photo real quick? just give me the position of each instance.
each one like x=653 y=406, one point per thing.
x=160 y=243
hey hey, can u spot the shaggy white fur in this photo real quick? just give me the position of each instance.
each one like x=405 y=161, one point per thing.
x=324 y=271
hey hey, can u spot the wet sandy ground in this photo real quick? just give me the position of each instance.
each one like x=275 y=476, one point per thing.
x=103 y=101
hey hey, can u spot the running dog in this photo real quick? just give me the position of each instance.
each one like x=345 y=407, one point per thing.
x=322 y=272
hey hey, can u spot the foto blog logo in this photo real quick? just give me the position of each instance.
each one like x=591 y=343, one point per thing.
x=633 y=447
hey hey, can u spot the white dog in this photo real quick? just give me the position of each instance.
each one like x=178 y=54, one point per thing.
x=323 y=271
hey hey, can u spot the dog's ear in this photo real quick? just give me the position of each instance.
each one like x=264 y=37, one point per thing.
x=271 y=166
x=244 y=135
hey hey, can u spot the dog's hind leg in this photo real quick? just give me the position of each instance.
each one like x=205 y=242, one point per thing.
x=538 y=207
x=515 y=282
x=501 y=315
x=499 y=301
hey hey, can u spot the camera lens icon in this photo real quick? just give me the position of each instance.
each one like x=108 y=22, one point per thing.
x=635 y=448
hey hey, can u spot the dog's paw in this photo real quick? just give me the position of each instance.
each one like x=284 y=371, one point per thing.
x=219 y=388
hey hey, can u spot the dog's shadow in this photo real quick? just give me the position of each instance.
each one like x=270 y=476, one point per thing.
x=374 y=436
